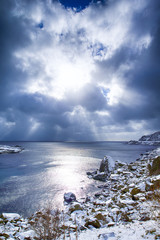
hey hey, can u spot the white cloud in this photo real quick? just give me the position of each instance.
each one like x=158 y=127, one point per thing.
x=72 y=51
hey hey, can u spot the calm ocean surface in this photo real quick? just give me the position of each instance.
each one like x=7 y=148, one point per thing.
x=44 y=171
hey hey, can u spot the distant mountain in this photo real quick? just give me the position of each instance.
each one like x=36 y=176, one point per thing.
x=152 y=139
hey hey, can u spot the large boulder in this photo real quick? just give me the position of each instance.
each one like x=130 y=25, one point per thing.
x=104 y=166
x=107 y=164
x=69 y=197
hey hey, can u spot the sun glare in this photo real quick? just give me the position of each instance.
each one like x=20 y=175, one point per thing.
x=67 y=77
x=70 y=77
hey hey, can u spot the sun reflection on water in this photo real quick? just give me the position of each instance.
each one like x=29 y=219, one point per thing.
x=69 y=176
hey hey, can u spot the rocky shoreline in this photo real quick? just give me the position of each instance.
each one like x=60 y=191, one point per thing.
x=150 y=143
x=125 y=207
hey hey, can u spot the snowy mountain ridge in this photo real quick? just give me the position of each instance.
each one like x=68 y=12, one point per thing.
x=151 y=139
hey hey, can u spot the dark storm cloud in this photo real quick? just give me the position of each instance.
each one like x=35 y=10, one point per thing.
x=12 y=37
x=144 y=76
x=117 y=54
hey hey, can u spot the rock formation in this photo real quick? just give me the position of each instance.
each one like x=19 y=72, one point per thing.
x=103 y=172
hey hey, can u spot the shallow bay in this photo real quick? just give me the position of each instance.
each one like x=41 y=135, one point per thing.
x=44 y=171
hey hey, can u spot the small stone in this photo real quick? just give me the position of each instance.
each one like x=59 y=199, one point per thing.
x=131 y=167
x=111 y=224
x=98 y=194
x=103 y=186
x=82 y=228
x=134 y=191
x=156 y=182
x=95 y=223
x=125 y=190
x=157 y=236
x=149 y=186
x=144 y=217
x=88 y=199
x=114 y=177
x=75 y=207
x=125 y=217
x=91 y=173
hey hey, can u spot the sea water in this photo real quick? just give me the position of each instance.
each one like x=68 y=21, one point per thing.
x=40 y=175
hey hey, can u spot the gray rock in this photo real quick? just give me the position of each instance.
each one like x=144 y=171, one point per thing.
x=103 y=186
x=98 y=194
x=91 y=173
x=69 y=197
x=88 y=199
x=100 y=176
x=104 y=167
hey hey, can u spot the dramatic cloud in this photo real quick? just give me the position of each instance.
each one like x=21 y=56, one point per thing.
x=79 y=72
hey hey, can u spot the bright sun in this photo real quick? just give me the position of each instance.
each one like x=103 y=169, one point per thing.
x=71 y=77
x=66 y=77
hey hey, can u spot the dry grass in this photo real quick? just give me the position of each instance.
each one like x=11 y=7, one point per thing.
x=48 y=225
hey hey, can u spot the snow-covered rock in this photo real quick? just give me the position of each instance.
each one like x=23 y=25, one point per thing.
x=13 y=226
x=11 y=216
x=106 y=166
x=9 y=149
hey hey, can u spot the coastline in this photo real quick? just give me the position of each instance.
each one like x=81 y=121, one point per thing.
x=122 y=206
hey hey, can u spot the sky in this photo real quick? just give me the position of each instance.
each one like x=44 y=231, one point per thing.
x=79 y=70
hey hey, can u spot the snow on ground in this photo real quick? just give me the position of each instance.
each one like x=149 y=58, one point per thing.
x=129 y=231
